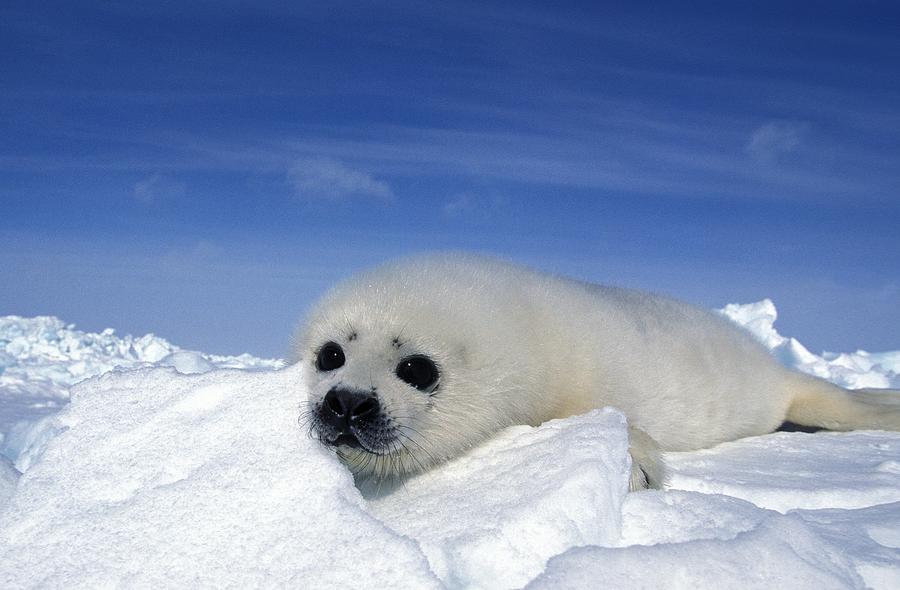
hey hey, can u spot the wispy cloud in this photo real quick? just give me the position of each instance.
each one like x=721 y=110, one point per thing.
x=775 y=139
x=156 y=188
x=328 y=178
x=650 y=151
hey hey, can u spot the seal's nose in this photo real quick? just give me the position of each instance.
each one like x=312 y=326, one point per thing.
x=342 y=408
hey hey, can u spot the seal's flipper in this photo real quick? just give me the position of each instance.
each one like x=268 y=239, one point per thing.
x=815 y=402
x=647 y=467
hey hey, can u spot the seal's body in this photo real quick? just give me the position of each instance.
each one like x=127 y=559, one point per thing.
x=415 y=362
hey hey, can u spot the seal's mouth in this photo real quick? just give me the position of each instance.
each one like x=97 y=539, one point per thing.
x=347 y=440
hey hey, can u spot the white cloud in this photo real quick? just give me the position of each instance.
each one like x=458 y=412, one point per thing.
x=459 y=204
x=774 y=139
x=470 y=205
x=156 y=188
x=327 y=178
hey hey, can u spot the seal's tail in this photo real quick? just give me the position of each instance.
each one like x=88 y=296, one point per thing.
x=815 y=402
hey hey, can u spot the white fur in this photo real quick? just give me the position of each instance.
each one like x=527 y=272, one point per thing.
x=516 y=346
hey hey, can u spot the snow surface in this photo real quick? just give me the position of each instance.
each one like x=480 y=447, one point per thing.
x=167 y=470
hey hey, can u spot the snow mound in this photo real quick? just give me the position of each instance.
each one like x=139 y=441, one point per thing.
x=493 y=518
x=42 y=357
x=161 y=479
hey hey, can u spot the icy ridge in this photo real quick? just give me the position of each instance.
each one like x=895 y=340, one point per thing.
x=854 y=370
x=45 y=348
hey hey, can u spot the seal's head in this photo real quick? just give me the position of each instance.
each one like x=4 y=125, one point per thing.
x=408 y=365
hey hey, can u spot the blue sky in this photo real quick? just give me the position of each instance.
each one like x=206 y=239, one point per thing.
x=204 y=170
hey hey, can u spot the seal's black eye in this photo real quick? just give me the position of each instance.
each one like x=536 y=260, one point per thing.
x=330 y=357
x=419 y=371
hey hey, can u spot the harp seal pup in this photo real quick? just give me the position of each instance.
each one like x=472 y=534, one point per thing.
x=415 y=362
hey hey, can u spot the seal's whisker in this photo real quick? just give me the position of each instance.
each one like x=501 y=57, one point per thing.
x=403 y=427
x=413 y=457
